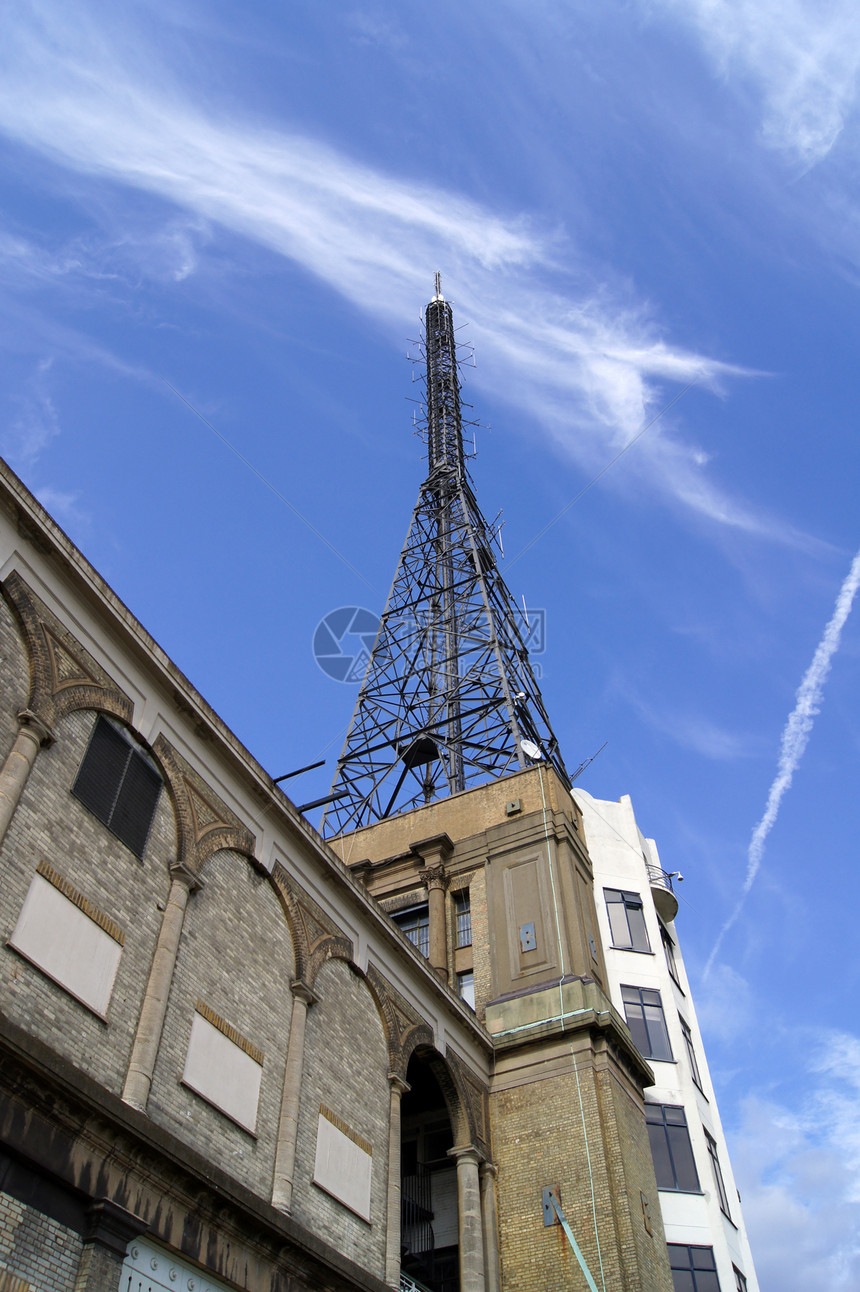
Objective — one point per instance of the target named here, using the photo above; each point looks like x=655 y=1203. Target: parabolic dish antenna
x=531 y=750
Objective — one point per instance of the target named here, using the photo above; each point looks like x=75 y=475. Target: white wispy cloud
x=25 y=437
x=797 y=1170
x=802 y=57
x=592 y=364
x=693 y=731
x=795 y=738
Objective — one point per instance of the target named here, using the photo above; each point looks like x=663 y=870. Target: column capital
x=398 y=1084
x=488 y=1169
x=302 y=992
x=468 y=1154
x=39 y=728
x=111 y=1226
x=434 y=876
x=186 y=877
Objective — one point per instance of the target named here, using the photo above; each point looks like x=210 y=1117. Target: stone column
x=110 y=1229
x=437 y=881
x=392 y=1233
x=490 y=1220
x=33 y=735
x=469 y=1213
x=288 y=1125
x=147 y=1039
x=434 y=852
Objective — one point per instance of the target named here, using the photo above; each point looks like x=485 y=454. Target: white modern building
x=636 y=909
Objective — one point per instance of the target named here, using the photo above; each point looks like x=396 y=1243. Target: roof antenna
x=438 y=286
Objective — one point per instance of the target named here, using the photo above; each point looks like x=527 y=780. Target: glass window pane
x=662 y=1160
x=618 y=924
x=638 y=932
x=658 y=1035
x=686 y=1175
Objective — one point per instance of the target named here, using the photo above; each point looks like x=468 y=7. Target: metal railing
x=408 y=1284
x=658 y=878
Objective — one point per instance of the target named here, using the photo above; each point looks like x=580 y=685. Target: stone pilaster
x=288 y=1125
x=471 y=1229
x=110 y=1229
x=489 y=1217
x=392 y=1233
x=147 y=1038
x=33 y=735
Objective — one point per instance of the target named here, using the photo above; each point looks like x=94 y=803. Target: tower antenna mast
x=449 y=699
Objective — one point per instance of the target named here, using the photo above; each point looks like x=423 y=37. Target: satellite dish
x=531 y=750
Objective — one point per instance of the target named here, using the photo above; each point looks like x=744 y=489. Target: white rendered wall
x=618 y=853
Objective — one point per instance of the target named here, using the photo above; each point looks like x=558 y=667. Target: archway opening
x=429 y=1229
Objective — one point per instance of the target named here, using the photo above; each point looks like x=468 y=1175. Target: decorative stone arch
x=404 y=1028
x=204 y=823
x=316 y=938
x=64 y=676
x=454 y=1093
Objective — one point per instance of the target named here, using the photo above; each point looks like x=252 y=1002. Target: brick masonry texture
x=37 y=1249
x=51 y=825
x=14 y=678
x=236 y=955
x=346 y=1068
x=537 y=1258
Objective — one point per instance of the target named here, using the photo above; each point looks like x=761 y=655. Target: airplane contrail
x=795 y=738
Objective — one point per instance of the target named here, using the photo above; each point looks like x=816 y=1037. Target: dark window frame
x=415 y=920
x=672 y=1149
x=713 y=1154
x=620 y=900
x=697 y=1262
x=687 y=1033
x=669 y=952
x=466 y=979
x=463 y=917
x=646 y=1019
x=740 y=1279
x=119 y=783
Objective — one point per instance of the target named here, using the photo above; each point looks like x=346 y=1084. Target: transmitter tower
x=450 y=699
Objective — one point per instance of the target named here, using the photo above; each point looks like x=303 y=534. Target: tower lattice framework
x=449 y=699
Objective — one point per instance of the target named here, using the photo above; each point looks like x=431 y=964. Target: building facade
x=236 y=1055
x=636 y=908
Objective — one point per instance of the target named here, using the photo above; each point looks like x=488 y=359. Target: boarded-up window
x=343 y=1164
x=224 y=1068
x=69 y=940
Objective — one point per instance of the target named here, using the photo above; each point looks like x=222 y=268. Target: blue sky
x=246 y=204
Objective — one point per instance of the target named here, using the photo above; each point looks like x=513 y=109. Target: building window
x=674 y=1164
x=671 y=962
x=463 y=909
x=415 y=923
x=644 y=1011
x=693 y=1268
x=740 y=1280
x=626 y=920
x=466 y=987
x=718 y=1175
x=119 y=784
x=691 y=1053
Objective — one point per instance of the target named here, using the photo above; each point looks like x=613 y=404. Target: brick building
x=235 y=1055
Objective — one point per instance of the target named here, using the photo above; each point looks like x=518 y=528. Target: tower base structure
x=496 y=885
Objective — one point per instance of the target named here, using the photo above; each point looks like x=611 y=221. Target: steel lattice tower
x=449 y=699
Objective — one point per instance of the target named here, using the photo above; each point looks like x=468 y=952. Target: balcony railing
x=662 y=891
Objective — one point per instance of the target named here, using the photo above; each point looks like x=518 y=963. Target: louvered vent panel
x=119 y=785
x=102 y=770
x=135 y=804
